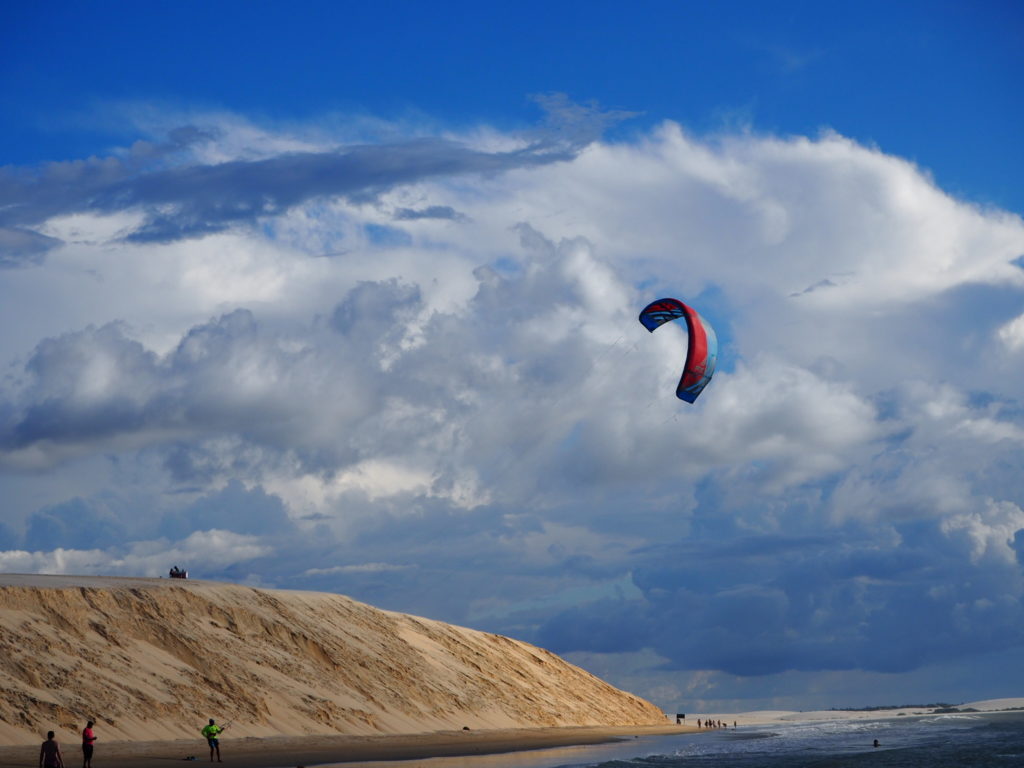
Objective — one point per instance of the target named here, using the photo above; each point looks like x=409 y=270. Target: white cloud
x=358 y=568
x=205 y=550
x=1012 y=333
x=988 y=532
x=444 y=373
x=780 y=413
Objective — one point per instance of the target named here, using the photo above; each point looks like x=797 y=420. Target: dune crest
x=152 y=659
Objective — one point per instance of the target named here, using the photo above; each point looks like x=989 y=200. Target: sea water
x=989 y=740
x=983 y=740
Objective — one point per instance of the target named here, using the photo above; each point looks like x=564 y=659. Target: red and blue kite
x=703 y=347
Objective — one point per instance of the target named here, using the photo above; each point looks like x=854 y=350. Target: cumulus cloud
x=989 y=532
x=1012 y=333
x=424 y=364
x=215 y=548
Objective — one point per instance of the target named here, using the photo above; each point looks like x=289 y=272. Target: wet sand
x=285 y=751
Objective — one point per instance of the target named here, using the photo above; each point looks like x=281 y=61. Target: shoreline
x=314 y=750
x=445 y=749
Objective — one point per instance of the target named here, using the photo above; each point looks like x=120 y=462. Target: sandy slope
x=152 y=659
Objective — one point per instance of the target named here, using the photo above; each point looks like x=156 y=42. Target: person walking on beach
x=49 y=753
x=211 y=732
x=87 y=739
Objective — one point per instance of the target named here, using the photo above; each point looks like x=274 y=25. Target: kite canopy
x=702 y=350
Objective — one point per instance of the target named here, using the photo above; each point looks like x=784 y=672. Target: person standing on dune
x=49 y=753
x=211 y=732
x=88 y=737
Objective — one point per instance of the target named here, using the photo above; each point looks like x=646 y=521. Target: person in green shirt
x=211 y=732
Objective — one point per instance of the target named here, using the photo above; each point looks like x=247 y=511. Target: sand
x=308 y=679
x=153 y=659
x=283 y=751
x=342 y=751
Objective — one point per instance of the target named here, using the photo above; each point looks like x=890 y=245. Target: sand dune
x=152 y=659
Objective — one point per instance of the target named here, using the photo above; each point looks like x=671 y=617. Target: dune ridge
x=152 y=659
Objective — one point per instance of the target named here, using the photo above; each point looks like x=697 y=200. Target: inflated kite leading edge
x=702 y=351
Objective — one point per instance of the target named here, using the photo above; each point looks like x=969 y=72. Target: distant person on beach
x=88 y=737
x=211 y=732
x=49 y=753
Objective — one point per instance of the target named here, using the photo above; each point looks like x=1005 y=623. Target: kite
x=703 y=344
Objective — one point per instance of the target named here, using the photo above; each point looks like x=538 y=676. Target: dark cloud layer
x=195 y=200
x=234 y=508
x=430 y=212
x=75 y=524
x=843 y=602
x=23 y=247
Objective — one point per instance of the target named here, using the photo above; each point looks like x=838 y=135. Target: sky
x=344 y=297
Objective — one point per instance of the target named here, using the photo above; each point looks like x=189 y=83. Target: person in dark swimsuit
x=49 y=753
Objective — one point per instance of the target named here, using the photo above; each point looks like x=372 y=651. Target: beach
x=283 y=751
x=524 y=747
x=488 y=748
x=303 y=679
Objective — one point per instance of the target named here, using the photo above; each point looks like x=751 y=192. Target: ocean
x=987 y=740
x=984 y=740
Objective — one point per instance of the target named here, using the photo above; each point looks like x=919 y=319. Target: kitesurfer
x=212 y=732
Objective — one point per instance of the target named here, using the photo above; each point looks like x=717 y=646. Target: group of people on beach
x=709 y=723
x=50 y=755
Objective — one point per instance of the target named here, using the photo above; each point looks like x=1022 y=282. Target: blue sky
x=344 y=297
x=934 y=82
